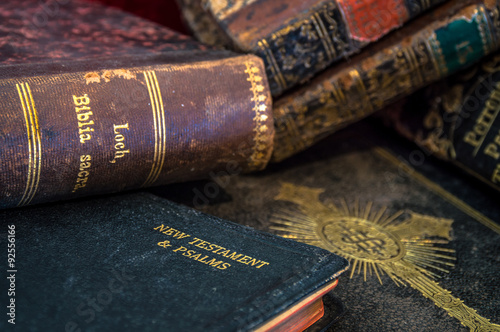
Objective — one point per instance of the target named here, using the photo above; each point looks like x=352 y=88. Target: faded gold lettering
x=496 y=175
x=483 y=124
x=84 y=117
x=83 y=174
x=80 y=101
x=120 y=151
x=492 y=149
x=83 y=108
x=471 y=139
x=84 y=125
x=463 y=50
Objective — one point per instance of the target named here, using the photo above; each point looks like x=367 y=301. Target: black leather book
x=141 y=263
x=422 y=238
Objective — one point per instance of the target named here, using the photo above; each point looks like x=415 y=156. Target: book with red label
x=451 y=38
x=298 y=38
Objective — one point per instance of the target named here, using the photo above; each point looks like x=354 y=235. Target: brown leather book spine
x=298 y=38
x=446 y=40
x=85 y=132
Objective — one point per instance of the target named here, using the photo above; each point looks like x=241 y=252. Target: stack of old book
x=95 y=100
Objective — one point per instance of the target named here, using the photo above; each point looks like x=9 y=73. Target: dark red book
x=96 y=100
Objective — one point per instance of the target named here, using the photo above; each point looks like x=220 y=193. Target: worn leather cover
x=457 y=120
x=95 y=100
x=298 y=38
x=423 y=239
x=138 y=262
x=36 y=31
x=445 y=40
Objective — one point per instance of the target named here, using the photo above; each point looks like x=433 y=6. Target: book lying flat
x=141 y=263
x=423 y=241
x=96 y=100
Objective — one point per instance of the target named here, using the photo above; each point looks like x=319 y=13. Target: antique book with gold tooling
x=423 y=243
x=457 y=120
x=137 y=262
x=452 y=37
x=298 y=38
x=94 y=100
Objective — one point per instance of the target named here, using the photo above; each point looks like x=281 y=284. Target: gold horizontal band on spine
x=34 y=143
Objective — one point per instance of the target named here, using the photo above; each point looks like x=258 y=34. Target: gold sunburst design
x=406 y=246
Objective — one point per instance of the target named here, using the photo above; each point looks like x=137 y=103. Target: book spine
x=441 y=45
x=203 y=26
x=333 y=31
x=308 y=41
x=81 y=133
x=457 y=120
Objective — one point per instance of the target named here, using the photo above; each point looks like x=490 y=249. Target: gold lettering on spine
x=259 y=158
x=277 y=75
x=484 y=122
x=34 y=143
x=159 y=127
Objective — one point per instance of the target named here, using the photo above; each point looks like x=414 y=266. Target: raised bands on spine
x=160 y=127
x=274 y=67
x=34 y=143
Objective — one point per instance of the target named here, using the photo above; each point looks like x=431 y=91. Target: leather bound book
x=141 y=263
x=457 y=120
x=299 y=38
x=450 y=38
x=422 y=240
x=94 y=100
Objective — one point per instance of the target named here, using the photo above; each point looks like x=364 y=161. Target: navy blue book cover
x=138 y=262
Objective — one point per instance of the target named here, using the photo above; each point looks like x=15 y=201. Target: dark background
x=164 y=12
